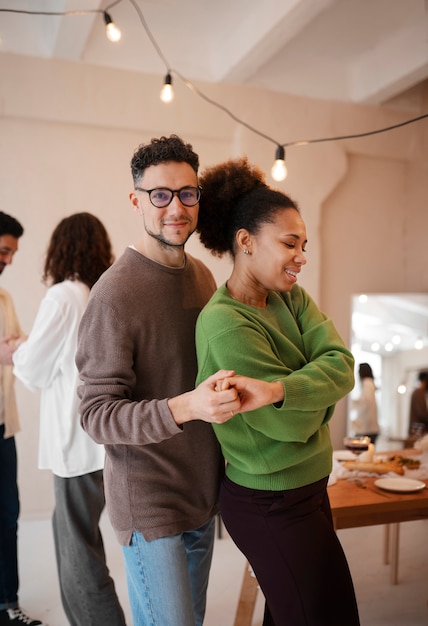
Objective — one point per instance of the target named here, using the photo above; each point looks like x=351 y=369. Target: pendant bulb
x=279 y=170
x=112 y=31
x=167 y=91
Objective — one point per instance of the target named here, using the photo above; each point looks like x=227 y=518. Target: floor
x=380 y=603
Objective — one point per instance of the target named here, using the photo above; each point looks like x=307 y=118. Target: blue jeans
x=168 y=577
x=9 y=511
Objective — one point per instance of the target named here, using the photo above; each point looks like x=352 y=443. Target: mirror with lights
x=390 y=332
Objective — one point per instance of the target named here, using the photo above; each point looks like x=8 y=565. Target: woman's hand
x=206 y=403
x=253 y=393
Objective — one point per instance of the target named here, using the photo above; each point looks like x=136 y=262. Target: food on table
x=375 y=467
x=405 y=461
x=395 y=463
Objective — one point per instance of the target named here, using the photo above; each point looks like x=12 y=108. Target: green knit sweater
x=291 y=340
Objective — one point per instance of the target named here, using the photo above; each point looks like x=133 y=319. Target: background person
x=364 y=422
x=78 y=253
x=137 y=361
x=262 y=324
x=418 y=418
x=10 y=612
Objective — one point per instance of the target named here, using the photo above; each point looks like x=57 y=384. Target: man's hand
x=7 y=348
x=205 y=403
x=253 y=393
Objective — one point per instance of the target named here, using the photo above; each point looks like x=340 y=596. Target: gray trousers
x=87 y=590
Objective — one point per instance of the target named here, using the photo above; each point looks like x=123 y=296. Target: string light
x=167 y=91
x=280 y=147
x=112 y=31
x=279 y=170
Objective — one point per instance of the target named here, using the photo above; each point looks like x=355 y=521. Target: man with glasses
x=137 y=361
x=10 y=612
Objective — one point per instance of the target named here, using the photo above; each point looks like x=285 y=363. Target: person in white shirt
x=78 y=253
x=365 y=421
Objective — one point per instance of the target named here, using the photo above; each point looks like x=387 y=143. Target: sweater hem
x=288 y=478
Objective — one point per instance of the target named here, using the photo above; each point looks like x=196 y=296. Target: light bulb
x=279 y=170
x=167 y=92
x=112 y=31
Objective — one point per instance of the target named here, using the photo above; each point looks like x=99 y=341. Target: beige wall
x=67 y=134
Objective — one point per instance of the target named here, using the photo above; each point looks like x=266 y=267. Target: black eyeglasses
x=161 y=197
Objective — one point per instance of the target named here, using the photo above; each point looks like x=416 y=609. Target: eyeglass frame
x=174 y=192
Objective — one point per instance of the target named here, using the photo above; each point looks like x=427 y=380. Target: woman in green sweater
x=263 y=325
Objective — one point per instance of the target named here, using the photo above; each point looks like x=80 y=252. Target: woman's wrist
x=278 y=392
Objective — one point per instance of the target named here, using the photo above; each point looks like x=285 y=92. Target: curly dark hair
x=79 y=249
x=365 y=371
x=235 y=195
x=423 y=377
x=10 y=226
x=162 y=150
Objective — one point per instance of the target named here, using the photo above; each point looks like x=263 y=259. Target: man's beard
x=166 y=243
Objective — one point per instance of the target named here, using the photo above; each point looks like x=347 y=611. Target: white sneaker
x=17 y=616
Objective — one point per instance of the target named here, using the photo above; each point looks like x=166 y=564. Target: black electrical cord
x=357 y=135
x=199 y=93
x=81 y=12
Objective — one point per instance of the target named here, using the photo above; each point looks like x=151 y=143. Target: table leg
x=386 y=544
x=247 y=599
x=395 y=538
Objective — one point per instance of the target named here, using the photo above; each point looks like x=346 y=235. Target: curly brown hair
x=162 y=150
x=234 y=196
x=79 y=249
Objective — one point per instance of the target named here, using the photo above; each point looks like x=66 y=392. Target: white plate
x=344 y=455
x=399 y=484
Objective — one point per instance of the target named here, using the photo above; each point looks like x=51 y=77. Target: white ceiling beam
x=73 y=31
x=395 y=65
x=261 y=34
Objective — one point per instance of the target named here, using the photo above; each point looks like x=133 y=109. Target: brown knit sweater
x=136 y=349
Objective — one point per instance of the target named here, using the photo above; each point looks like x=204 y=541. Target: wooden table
x=355 y=504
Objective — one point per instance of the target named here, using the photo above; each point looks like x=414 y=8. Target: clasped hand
x=252 y=392
x=7 y=348
x=225 y=394
x=222 y=395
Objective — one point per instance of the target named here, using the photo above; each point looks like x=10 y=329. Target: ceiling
x=395 y=319
x=363 y=51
